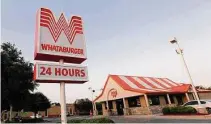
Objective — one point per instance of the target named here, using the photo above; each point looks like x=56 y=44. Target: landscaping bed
x=27 y=120
x=179 y=110
x=96 y=120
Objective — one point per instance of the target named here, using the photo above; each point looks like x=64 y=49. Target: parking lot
x=145 y=119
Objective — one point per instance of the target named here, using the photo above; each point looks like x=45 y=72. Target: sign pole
x=63 y=99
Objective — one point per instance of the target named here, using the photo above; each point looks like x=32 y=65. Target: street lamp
x=92 y=99
x=180 y=51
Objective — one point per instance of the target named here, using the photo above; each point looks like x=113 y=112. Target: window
x=203 y=102
x=154 y=100
x=134 y=102
x=191 y=103
x=172 y=99
x=110 y=105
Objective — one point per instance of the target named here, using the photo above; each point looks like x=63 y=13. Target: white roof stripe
x=142 y=83
x=147 y=89
x=154 y=83
x=169 y=81
x=131 y=84
x=160 y=81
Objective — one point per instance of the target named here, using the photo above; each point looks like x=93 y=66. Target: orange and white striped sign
x=58 y=38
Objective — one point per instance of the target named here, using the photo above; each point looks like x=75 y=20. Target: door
x=120 y=106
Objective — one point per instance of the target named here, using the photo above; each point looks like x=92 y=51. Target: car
x=37 y=116
x=204 y=103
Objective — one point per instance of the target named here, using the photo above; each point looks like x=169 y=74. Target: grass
x=96 y=120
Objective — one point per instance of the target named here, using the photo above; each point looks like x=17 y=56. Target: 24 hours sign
x=55 y=73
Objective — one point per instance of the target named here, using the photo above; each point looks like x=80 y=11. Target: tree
x=202 y=87
x=38 y=102
x=16 y=78
x=83 y=105
x=55 y=103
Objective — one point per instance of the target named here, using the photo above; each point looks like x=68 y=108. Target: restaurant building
x=131 y=95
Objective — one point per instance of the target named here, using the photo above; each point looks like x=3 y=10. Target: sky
x=125 y=37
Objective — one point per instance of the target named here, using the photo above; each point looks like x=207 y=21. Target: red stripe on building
x=166 y=82
x=135 y=82
x=122 y=83
x=157 y=82
x=147 y=82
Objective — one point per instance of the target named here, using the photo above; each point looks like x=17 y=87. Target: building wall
x=104 y=110
x=206 y=95
x=121 y=93
x=184 y=98
x=162 y=100
x=157 y=109
x=54 y=111
x=139 y=111
x=143 y=101
x=114 y=110
x=191 y=96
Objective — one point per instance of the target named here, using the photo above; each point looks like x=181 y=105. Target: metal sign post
x=59 y=41
x=63 y=100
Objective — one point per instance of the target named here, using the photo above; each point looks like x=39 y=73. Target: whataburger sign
x=59 y=39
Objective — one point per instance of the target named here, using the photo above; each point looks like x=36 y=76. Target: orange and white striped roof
x=145 y=84
x=148 y=84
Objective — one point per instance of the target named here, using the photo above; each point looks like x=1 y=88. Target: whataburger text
x=61 y=49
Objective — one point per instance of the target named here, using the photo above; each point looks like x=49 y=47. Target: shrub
x=75 y=121
x=96 y=120
x=166 y=110
x=179 y=110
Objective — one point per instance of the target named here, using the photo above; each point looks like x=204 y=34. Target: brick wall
x=105 y=112
x=206 y=95
x=157 y=109
x=162 y=100
x=54 y=111
x=139 y=111
x=142 y=101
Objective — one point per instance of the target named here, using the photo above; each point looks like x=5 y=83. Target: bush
x=75 y=121
x=179 y=110
x=97 y=120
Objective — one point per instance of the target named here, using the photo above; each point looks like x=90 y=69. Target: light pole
x=180 y=51
x=93 y=108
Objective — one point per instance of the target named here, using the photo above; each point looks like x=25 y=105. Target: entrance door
x=120 y=106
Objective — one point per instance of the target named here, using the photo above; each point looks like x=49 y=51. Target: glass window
x=192 y=103
x=203 y=102
x=172 y=99
x=134 y=102
x=110 y=105
x=154 y=100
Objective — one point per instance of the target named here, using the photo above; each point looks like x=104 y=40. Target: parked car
x=37 y=116
x=204 y=103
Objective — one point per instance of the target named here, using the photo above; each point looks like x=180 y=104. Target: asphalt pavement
x=122 y=119
x=140 y=119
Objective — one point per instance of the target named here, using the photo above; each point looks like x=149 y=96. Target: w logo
x=56 y=27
